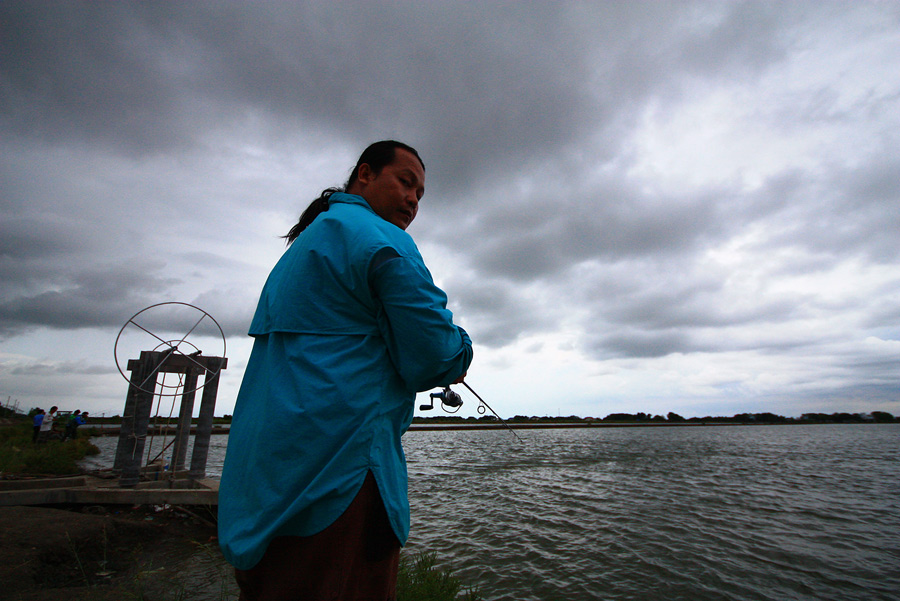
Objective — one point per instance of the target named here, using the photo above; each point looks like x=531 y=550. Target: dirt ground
x=111 y=553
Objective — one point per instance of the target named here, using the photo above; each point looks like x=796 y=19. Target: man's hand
x=460 y=379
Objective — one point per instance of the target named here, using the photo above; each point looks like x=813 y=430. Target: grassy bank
x=18 y=455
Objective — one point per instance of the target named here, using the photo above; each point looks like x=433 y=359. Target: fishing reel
x=452 y=400
x=447 y=397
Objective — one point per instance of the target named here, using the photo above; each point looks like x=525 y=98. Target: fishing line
x=481 y=400
x=451 y=399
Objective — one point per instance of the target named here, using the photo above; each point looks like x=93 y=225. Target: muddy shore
x=111 y=553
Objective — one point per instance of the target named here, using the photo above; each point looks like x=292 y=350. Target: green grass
x=18 y=455
x=420 y=580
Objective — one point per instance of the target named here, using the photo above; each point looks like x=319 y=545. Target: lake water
x=681 y=513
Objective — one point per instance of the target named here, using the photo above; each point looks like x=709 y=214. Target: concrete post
x=205 y=418
x=133 y=433
x=183 y=432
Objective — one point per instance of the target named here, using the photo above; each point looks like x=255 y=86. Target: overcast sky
x=633 y=206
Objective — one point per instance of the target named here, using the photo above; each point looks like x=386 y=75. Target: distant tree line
x=880 y=417
x=761 y=418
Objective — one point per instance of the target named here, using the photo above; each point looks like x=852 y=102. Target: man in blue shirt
x=350 y=325
x=76 y=420
x=38 y=420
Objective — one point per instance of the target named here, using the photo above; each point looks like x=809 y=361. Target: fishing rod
x=451 y=399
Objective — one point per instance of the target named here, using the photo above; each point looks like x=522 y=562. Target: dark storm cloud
x=860 y=209
x=91 y=297
x=154 y=151
x=153 y=76
x=739 y=36
x=536 y=237
x=84 y=71
x=501 y=311
x=661 y=294
x=32 y=237
x=144 y=79
x=839 y=214
x=231 y=307
x=637 y=344
x=43 y=369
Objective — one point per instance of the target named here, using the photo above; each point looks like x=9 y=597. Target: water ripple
x=757 y=513
x=642 y=514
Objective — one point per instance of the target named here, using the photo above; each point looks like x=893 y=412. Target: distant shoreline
x=111 y=430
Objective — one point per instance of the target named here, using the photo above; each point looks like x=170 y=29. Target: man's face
x=394 y=193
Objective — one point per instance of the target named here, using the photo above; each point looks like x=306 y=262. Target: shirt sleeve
x=426 y=348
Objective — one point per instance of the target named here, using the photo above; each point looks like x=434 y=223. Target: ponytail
x=316 y=207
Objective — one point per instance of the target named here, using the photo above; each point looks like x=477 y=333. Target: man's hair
x=377 y=156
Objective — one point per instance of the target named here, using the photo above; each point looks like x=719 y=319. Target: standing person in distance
x=313 y=498
x=37 y=420
x=46 y=430
x=78 y=418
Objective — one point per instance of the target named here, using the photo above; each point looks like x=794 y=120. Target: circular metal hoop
x=161 y=383
x=181 y=347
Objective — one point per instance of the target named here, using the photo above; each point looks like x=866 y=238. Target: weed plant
x=18 y=455
x=420 y=580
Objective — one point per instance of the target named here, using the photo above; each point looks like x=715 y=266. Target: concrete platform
x=90 y=490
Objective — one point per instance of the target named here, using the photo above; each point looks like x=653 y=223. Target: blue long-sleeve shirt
x=349 y=326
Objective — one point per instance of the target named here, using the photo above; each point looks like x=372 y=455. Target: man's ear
x=365 y=174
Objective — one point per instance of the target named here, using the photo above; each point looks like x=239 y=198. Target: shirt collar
x=353 y=199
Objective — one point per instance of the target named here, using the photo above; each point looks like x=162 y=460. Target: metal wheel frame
x=173 y=347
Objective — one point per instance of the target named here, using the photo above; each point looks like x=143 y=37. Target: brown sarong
x=354 y=559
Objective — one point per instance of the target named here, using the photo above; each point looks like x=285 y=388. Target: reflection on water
x=153 y=445
x=198 y=573
x=692 y=513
